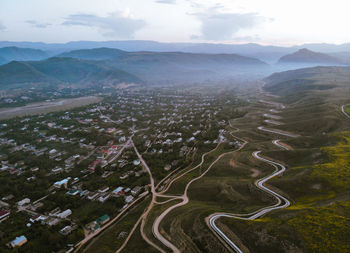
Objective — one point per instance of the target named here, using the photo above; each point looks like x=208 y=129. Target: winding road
x=281 y=145
x=343 y=110
x=282 y=202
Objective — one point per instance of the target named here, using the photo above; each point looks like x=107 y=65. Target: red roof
x=3 y=212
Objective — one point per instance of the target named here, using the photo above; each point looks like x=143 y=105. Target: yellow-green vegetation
x=324 y=229
x=315 y=223
x=337 y=169
x=347 y=109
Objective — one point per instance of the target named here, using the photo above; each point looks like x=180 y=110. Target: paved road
x=282 y=202
x=271 y=116
x=281 y=145
x=276 y=131
x=273 y=122
x=343 y=110
x=184 y=197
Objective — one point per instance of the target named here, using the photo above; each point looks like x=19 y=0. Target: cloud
x=117 y=24
x=223 y=26
x=37 y=24
x=2 y=27
x=166 y=1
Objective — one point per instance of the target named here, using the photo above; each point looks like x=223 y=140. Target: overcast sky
x=279 y=22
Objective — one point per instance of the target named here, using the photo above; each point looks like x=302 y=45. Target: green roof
x=103 y=218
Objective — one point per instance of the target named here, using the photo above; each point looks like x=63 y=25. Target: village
x=69 y=173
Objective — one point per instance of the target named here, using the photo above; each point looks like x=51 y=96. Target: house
x=104 y=197
x=93 y=196
x=63 y=182
x=72 y=192
x=136 y=162
x=118 y=190
x=23 y=202
x=64 y=214
x=19 y=241
x=36 y=218
x=103 y=219
x=52 y=151
x=129 y=199
x=191 y=139
x=167 y=167
x=124 y=176
x=4 y=214
x=66 y=230
x=127 y=190
x=93 y=226
x=103 y=189
x=52 y=221
x=136 y=190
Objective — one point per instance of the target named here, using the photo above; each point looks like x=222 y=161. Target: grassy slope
x=347 y=109
x=317 y=180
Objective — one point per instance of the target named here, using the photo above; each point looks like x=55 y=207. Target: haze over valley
x=174 y=126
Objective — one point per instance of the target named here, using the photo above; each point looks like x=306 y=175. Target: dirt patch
x=255 y=172
x=232 y=163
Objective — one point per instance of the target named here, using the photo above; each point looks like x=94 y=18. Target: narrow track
x=282 y=202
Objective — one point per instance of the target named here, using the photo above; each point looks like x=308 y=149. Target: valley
x=103 y=159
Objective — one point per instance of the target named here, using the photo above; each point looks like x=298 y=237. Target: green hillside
x=62 y=70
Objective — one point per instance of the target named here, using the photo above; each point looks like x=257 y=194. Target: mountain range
x=266 y=53
x=110 y=67
x=102 y=66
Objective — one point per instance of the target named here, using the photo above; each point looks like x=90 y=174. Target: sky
x=276 y=22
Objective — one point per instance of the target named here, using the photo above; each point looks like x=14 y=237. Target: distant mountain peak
x=307 y=56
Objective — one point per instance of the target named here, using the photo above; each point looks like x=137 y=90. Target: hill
x=56 y=71
x=147 y=56
x=172 y=66
x=95 y=54
x=299 y=83
x=305 y=56
x=8 y=54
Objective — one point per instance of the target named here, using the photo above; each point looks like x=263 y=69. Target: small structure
x=4 y=214
x=67 y=230
x=118 y=190
x=93 y=196
x=136 y=162
x=167 y=167
x=23 y=202
x=103 y=197
x=63 y=182
x=64 y=214
x=52 y=221
x=103 y=219
x=103 y=189
x=129 y=199
x=136 y=190
x=19 y=241
x=72 y=192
